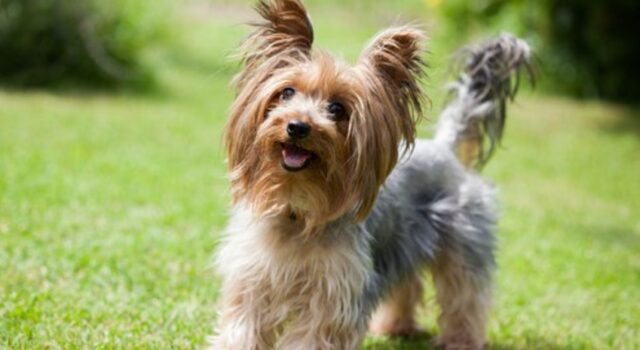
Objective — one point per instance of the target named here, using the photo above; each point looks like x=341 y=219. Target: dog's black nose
x=298 y=130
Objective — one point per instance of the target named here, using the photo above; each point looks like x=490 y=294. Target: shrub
x=45 y=42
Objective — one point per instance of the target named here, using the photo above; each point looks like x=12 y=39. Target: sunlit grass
x=111 y=206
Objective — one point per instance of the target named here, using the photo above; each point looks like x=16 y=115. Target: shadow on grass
x=627 y=121
x=534 y=345
x=613 y=235
x=425 y=342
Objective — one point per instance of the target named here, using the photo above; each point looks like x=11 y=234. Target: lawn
x=111 y=204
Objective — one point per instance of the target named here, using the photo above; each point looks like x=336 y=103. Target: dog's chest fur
x=287 y=276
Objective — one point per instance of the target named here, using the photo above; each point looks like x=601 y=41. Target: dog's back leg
x=464 y=297
x=462 y=270
x=395 y=316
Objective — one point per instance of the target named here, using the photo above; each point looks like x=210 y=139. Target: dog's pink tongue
x=295 y=157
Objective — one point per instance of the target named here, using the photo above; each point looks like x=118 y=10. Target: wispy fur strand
x=490 y=77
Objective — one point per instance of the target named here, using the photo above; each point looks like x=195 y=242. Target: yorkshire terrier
x=337 y=209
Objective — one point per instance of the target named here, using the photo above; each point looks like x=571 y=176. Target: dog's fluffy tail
x=472 y=123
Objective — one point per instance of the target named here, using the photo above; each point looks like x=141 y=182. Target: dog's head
x=310 y=135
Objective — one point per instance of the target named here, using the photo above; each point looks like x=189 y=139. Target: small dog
x=337 y=209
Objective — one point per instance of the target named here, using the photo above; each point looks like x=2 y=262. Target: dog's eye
x=337 y=111
x=287 y=94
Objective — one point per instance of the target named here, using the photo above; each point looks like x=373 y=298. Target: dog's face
x=311 y=136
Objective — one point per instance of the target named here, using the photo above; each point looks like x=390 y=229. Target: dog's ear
x=395 y=58
x=390 y=71
x=283 y=37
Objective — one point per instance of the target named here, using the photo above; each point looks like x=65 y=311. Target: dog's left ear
x=395 y=58
x=391 y=69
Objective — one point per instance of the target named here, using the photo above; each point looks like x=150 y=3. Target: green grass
x=111 y=206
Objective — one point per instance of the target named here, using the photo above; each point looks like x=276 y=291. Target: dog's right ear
x=283 y=37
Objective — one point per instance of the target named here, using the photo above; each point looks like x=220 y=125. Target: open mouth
x=295 y=158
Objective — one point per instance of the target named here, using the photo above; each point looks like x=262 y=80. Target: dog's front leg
x=242 y=326
x=346 y=338
x=325 y=329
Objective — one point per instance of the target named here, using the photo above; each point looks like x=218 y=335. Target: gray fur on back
x=429 y=203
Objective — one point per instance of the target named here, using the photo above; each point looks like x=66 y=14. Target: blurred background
x=587 y=47
x=113 y=187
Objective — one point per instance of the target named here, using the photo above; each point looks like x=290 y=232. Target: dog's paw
x=458 y=342
x=396 y=329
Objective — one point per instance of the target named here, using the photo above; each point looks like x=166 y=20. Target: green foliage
x=586 y=48
x=599 y=38
x=45 y=42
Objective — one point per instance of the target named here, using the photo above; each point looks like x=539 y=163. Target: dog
x=338 y=209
